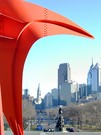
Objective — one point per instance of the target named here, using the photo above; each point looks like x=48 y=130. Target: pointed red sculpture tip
x=91 y=36
x=68 y=26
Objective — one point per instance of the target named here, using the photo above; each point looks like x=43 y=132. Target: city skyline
x=45 y=56
x=49 y=91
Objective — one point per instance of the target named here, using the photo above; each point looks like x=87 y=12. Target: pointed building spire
x=38 y=91
x=38 y=100
x=92 y=65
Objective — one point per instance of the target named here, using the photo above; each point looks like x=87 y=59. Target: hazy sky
x=47 y=53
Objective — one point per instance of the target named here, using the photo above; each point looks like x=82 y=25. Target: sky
x=47 y=53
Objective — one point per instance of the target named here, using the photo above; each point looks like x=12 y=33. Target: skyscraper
x=94 y=77
x=65 y=94
x=89 y=76
x=64 y=74
x=48 y=100
x=26 y=94
x=54 y=93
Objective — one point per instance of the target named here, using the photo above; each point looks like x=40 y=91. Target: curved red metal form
x=21 y=24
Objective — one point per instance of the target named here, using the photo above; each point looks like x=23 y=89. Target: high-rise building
x=74 y=91
x=89 y=80
x=64 y=74
x=26 y=94
x=89 y=76
x=65 y=93
x=48 y=102
x=82 y=90
x=69 y=92
x=94 y=78
x=54 y=93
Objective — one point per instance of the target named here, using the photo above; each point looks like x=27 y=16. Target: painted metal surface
x=21 y=24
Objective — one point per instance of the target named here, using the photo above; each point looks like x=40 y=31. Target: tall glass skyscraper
x=89 y=76
x=94 y=77
x=64 y=74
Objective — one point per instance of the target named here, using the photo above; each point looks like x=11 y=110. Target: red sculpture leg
x=7 y=48
x=1 y=116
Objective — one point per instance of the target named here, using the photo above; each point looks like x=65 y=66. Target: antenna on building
x=92 y=61
x=38 y=85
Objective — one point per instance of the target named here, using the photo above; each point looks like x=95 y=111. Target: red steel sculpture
x=21 y=24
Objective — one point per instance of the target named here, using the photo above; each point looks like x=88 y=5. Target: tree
x=28 y=112
x=73 y=114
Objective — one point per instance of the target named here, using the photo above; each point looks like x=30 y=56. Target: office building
x=65 y=93
x=74 y=91
x=94 y=78
x=89 y=76
x=64 y=74
x=82 y=90
x=26 y=94
x=69 y=92
x=54 y=93
x=89 y=80
x=48 y=103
